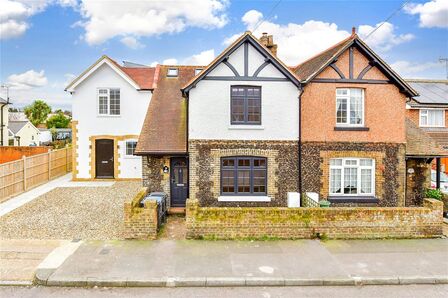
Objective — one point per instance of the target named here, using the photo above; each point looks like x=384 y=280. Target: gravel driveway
x=71 y=213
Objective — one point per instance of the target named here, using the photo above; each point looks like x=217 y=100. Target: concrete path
x=252 y=263
x=63 y=181
x=19 y=259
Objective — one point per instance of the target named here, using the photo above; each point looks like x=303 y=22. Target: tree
x=59 y=120
x=37 y=112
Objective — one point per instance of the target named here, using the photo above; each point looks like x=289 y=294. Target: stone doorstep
x=239 y=281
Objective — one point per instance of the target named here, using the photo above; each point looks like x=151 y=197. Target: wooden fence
x=21 y=175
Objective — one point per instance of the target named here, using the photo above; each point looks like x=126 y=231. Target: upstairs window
x=109 y=101
x=352 y=177
x=245 y=105
x=172 y=72
x=243 y=175
x=432 y=118
x=350 y=107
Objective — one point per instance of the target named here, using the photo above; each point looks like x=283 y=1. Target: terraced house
x=247 y=130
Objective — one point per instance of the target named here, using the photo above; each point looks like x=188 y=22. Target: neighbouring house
x=23 y=133
x=109 y=103
x=247 y=129
x=4 y=119
x=429 y=112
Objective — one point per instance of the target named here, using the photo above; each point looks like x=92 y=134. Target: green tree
x=59 y=120
x=37 y=112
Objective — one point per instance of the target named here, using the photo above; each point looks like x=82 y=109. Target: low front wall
x=332 y=223
x=140 y=222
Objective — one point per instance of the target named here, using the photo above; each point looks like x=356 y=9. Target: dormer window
x=172 y=72
x=197 y=71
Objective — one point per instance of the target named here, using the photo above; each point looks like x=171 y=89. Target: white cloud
x=203 y=58
x=432 y=14
x=432 y=70
x=28 y=80
x=132 y=42
x=14 y=14
x=384 y=38
x=297 y=42
x=105 y=20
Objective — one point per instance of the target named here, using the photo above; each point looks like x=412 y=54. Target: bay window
x=432 y=118
x=349 y=107
x=352 y=177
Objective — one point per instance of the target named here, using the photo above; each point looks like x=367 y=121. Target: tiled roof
x=15 y=126
x=143 y=76
x=420 y=143
x=308 y=68
x=431 y=92
x=2 y=100
x=165 y=127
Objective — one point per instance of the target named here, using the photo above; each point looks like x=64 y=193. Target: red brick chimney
x=268 y=41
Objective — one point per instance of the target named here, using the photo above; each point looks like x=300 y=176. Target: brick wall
x=205 y=156
x=334 y=223
x=140 y=222
x=390 y=167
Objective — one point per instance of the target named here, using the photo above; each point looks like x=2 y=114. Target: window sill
x=353 y=199
x=108 y=116
x=244 y=199
x=351 y=128
x=246 y=127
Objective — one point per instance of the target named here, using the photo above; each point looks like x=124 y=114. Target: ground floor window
x=130 y=147
x=243 y=175
x=352 y=176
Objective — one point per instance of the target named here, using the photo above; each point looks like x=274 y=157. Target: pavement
x=192 y=263
x=19 y=259
x=63 y=181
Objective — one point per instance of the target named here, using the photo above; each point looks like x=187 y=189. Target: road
x=427 y=291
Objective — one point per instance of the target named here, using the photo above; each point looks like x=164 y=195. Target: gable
x=351 y=61
x=245 y=60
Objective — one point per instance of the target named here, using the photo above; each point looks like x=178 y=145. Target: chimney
x=353 y=31
x=268 y=41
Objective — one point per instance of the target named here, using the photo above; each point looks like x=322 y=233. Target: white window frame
x=108 y=102
x=197 y=71
x=347 y=97
x=175 y=69
x=421 y=111
x=358 y=181
x=126 y=148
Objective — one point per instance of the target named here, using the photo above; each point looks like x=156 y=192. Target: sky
x=44 y=44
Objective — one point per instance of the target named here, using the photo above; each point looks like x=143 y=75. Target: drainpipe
x=1 y=121
x=300 y=140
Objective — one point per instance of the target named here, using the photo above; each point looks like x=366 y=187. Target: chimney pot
x=353 y=30
x=265 y=33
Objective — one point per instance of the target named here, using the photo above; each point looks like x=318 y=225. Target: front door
x=179 y=181
x=104 y=163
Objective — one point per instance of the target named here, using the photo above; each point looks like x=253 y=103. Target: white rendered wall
x=130 y=166
x=209 y=104
x=134 y=105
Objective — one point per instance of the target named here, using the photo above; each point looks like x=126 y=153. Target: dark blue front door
x=179 y=181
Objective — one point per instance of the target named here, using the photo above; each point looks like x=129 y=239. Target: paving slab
x=254 y=263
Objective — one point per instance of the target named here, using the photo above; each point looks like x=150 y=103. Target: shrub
x=433 y=193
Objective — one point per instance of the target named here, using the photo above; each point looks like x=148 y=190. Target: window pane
x=237 y=110
x=350 y=181
x=102 y=104
x=356 y=110
x=259 y=181
x=260 y=162
x=243 y=162
x=341 y=91
x=243 y=181
x=366 y=181
x=228 y=181
x=335 y=181
x=366 y=162
x=172 y=72
x=130 y=147
x=341 y=110
x=254 y=110
x=228 y=162
x=434 y=118
x=114 y=101
x=336 y=162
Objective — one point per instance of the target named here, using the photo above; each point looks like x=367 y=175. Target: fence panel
x=21 y=175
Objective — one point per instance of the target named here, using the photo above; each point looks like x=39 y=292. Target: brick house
x=246 y=130
x=429 y=114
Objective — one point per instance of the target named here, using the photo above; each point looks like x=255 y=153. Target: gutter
x=300 y=140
